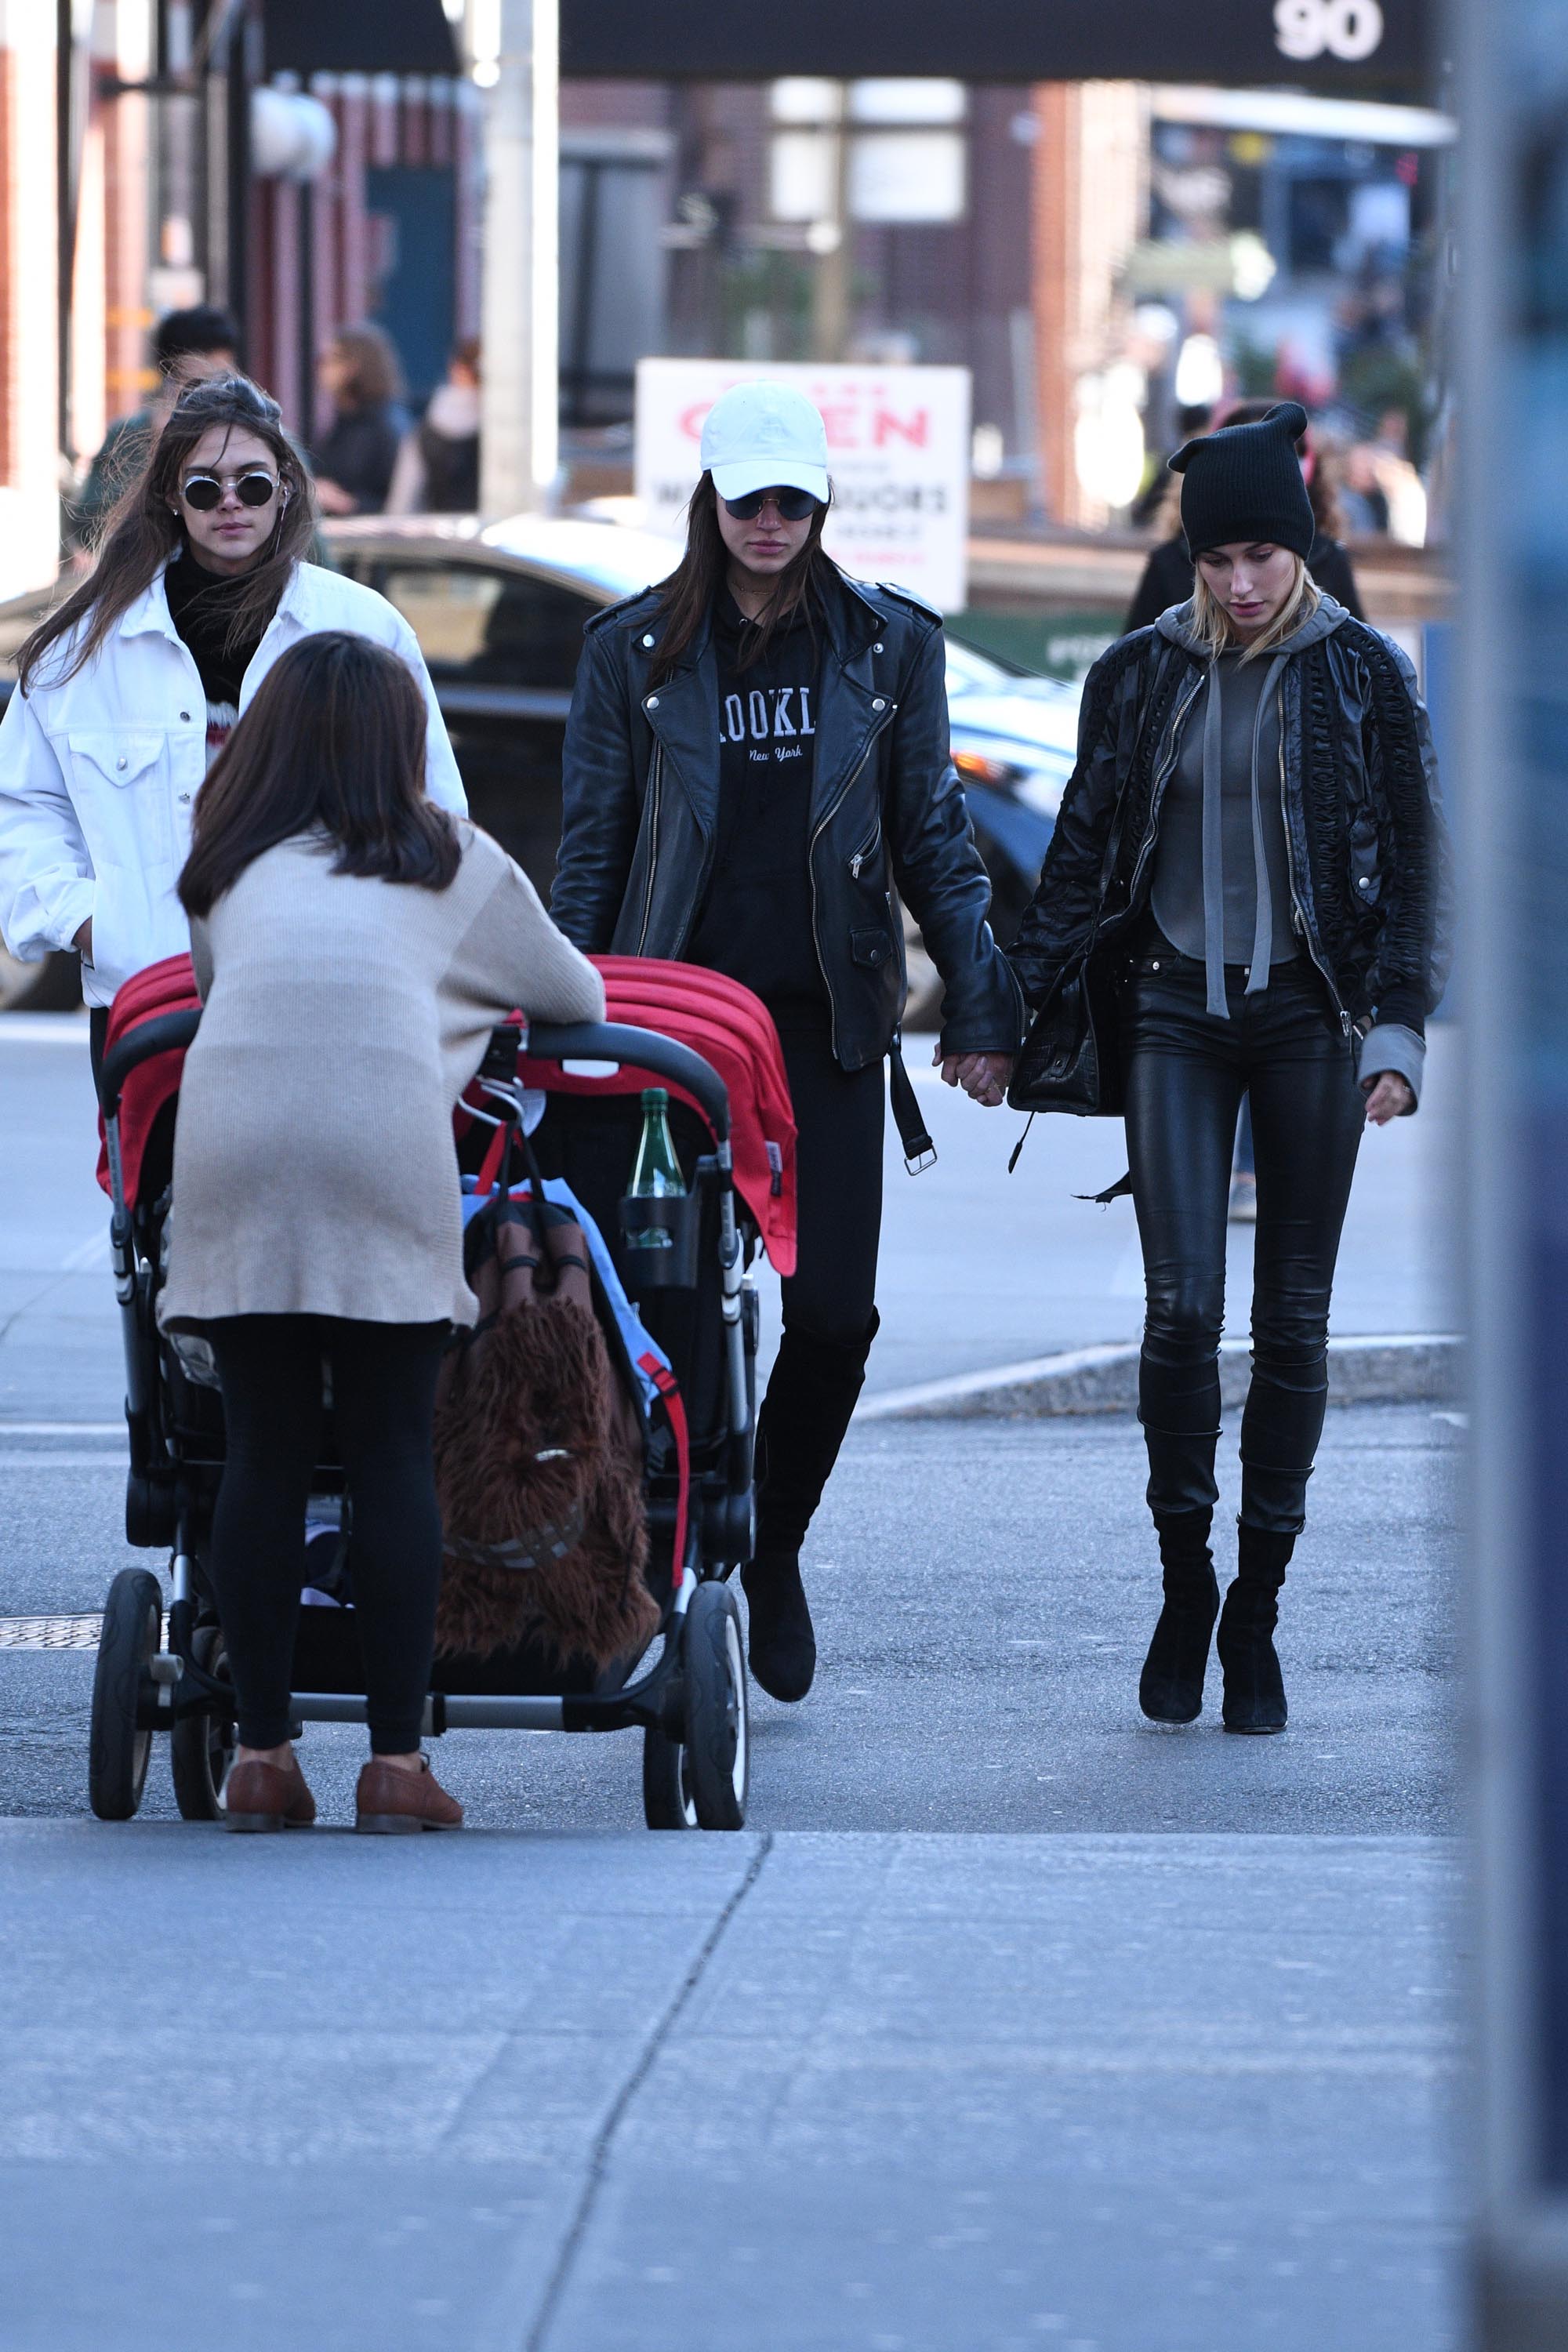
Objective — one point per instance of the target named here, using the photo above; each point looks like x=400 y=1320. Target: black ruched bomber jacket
x=1371 y=883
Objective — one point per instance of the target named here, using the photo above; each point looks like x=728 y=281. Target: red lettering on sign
x=885 y=426
x=692 y=419
x=841 y=419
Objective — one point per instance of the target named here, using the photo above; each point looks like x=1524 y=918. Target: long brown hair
x=145 y=530
x=334 y=743
x=375 y=375
x=687 y=596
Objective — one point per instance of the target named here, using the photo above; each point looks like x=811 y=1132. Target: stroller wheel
x=118 y=1751
x=667 y=1801
x=201 y=1746
x=717 y=1740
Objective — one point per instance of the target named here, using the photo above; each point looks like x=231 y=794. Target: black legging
x=1187 y=1074
x=829 y=1302
x=384 y=1403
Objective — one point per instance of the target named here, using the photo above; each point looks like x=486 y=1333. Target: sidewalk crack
x=604 y=2145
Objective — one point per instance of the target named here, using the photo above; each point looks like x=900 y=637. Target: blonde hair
x=1215 y=626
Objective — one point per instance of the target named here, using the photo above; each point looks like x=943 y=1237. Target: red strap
x=489 y=1166
x=668 y=1387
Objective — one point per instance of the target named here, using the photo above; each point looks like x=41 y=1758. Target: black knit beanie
x=1245 y=482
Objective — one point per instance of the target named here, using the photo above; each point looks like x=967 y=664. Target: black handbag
x=1071 y=1058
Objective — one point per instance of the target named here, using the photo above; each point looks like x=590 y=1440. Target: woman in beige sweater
x=354 y=946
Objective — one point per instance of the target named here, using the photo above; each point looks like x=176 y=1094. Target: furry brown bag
x=539 y=1456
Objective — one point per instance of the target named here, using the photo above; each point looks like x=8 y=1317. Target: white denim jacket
x=98 y=775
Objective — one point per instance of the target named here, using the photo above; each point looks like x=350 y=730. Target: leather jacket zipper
x=863 y=856
x=1160 y=779
x=1297 y=910
x=654 y=782
x=827 y=816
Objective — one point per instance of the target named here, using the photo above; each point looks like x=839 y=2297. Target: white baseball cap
x=764 y=436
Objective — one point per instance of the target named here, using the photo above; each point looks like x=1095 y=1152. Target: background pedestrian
x=341 y=923
x=757 y=759
x=354 y=459
x=437 y=469
x=188 y=347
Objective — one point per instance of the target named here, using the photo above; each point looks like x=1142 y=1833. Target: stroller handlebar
x=169 y=1032
x=586 y=1041
x=615 y=1041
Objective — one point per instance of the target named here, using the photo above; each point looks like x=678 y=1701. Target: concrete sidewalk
x=514 y=2093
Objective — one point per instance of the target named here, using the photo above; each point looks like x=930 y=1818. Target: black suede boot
x=1254 y=1686
x=1171 y=1689
x=781 y=1642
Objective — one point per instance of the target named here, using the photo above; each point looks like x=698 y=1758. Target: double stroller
x=693 y=1319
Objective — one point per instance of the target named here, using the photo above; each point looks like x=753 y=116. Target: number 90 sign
x=1349 y=29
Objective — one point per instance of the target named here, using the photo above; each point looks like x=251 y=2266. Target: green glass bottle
x=655 y=1175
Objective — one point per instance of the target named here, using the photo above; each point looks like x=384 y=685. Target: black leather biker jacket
x=640 y=789
x=1371 y=884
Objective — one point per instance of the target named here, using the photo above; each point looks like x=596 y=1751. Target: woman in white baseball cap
x=756 y=761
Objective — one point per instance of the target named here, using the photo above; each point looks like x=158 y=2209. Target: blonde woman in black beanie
x=1247 y=879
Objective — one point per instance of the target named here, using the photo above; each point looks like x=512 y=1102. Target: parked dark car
x=498 y=612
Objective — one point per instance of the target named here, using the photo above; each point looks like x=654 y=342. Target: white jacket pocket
x=120 y=787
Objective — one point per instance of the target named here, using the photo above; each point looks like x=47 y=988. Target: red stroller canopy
x=718 y=1018
x=732 y=1030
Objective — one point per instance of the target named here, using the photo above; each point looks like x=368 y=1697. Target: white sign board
x=898 y=455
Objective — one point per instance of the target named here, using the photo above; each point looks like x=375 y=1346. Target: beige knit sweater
x=313 y=1163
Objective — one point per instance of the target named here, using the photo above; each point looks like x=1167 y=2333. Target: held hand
x=82 y=942
x=1388 y=1096
x=983 y=1077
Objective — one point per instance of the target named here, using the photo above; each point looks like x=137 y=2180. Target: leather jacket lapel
x=683 y=713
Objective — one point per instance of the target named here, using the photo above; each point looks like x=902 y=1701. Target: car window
x=490 y=626
x=969 y=672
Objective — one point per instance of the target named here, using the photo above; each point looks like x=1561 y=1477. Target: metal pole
x=1514 y=602
x=831 y=290
x=521 y=289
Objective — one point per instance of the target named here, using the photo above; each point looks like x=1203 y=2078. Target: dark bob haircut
x=333 y=744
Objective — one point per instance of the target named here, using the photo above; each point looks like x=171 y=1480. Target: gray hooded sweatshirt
x=1222 y=876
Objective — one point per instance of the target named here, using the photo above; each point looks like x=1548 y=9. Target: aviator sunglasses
x=204 y=491
x=793 y=505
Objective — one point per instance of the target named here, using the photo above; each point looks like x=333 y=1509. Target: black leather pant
x=1187 y=1073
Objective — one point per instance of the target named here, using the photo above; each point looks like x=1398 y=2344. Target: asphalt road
x=984 y=1593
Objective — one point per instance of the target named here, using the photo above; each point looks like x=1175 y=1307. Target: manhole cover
x=49 y=1632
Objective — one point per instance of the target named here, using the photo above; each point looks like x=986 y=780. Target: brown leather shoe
x=391 y=1802
x=268 y=1797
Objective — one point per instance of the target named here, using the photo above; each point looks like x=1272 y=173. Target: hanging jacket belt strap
x=920 y=1152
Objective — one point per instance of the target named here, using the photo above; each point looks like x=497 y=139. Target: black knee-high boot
x=1171 y=1689
x=812 y=1394
x=1254 y=1686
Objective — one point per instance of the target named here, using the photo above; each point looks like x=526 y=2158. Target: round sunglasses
x=793 y=505
x=204 y=491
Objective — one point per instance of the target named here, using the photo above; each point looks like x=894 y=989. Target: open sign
x=898 y=452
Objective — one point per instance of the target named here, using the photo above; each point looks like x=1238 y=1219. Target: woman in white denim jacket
x=128 y=691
